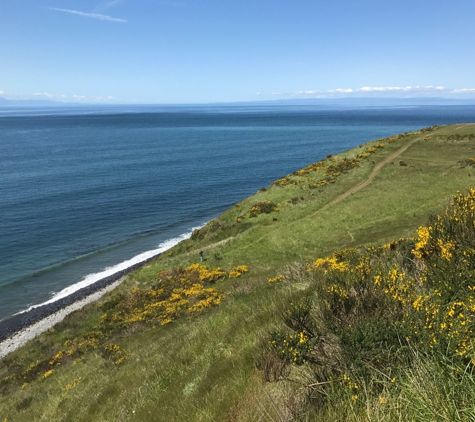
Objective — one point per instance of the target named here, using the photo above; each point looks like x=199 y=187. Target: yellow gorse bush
x=114 y=353
x=363 y=308
x=421 y=246
x=293 y=348
x=329 y=169
x=178 y=292
x=205 y=274
x=370 y=150
x=74 y=383
x=238 y=271
x=264 y=207
x=331 y=263
x=396 y=284
x=439 y=298
x=48 y=373
x=446 y=248
x=275 y=279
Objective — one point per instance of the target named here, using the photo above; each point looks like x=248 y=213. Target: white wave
x=92 y=278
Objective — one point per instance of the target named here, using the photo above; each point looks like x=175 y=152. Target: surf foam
x=94 y=277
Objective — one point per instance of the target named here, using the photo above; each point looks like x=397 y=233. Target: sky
x=205 y=51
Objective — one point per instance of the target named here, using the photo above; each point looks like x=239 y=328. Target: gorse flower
x=363 y=307
x=331 y=263
x=423 y=236
x=48 y=373
x=275 y=279
x=178 y=292
x=73 y=383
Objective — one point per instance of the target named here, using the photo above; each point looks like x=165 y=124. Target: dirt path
x=463 y=125
x=375 y=171
x=357 y=187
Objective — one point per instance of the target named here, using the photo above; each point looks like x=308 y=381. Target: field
x=184 y=340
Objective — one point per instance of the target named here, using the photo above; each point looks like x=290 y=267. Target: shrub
x=265 y=207
x=343 y=166
x=467 y=162
x=178 y=292
x=238 y=271
x=276 y=279
x=368 y=314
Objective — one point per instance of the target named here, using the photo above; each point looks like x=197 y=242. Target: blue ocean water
x=87 y=190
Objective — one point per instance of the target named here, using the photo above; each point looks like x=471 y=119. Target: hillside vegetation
x=343 y=291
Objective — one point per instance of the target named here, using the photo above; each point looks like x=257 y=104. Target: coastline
x=28 y=333
x=20 y=328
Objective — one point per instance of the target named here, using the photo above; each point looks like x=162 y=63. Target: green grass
x=203 y=368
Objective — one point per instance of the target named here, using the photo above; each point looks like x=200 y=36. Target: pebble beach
x=19 y=329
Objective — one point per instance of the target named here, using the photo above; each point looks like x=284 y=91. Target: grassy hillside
x=179 y=341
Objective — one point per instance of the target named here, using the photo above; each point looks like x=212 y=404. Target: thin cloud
x=384 y=88
x=383 y=91
x=90 y=15
x=400 y=88
x=55 y=97
x=45 y=95
x=459 y=91
x=1 y=92
x=63 y=97
x=341 y=90
x=50 y=96
x=101 y=99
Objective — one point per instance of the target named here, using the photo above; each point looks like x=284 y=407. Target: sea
x=86 y=191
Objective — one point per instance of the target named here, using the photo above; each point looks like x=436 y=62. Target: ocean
x=88 y=190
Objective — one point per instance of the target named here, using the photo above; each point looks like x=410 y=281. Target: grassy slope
x=203 y=369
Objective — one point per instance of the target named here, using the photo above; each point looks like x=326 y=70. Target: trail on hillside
x=375 y=171
x=463 y=125
x=360 y=185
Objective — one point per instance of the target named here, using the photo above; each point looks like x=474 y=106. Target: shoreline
x=28 y=333
x=19 y=329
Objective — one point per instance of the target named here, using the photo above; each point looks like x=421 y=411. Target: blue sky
x=199 y=51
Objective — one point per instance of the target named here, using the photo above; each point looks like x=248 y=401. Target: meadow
x=342 y=291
